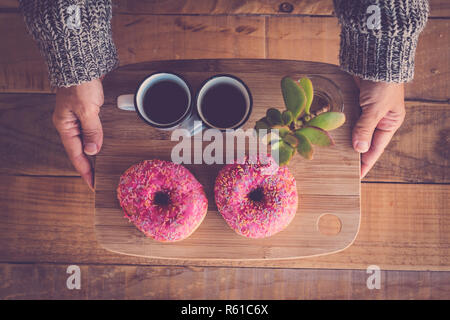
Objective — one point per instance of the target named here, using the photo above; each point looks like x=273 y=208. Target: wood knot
x=286 y=7
x=434 y=71
x=245 y=29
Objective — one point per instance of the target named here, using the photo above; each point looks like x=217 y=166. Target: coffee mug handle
x=126 y=102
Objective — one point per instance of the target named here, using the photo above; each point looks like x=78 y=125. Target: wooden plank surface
x=137 y=38
x=419 y=150
x=48 y=281
x=22 y=69
x=29 y=142
x=61 y=230
x=51 y=219
x=438 y=8
x=256 y=7
x=317 y=39
x=147 y=38
x=318 y=192
x=156 y=37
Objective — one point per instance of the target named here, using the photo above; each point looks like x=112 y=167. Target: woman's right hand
x=76 y=117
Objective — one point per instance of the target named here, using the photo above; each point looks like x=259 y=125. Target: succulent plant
x=298 y=127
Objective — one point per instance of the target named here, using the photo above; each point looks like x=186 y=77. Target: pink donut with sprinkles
x=256 y=198
x=162 y=199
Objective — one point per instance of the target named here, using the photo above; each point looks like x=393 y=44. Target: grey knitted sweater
x=378 y=37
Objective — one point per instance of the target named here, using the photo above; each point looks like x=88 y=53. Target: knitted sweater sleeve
x=74 y=37
x=379 y=37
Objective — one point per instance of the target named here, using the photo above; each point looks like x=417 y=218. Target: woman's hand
x=77 y=121
x=383 y=112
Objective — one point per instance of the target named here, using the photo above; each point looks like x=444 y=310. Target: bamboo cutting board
x=328 y=215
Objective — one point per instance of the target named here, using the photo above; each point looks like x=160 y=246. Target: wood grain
x=254 y=7
x=22 y=69
x=137 y=38
x=146 y=38
x=154 y=37
x=438 y=8
x=338 y=195
x=51 y=219
x=418 y=152
x=317 y=39
x=432 y=63
x=8 y=4
x=29 y=142
x=48 y=281
x=306 y=38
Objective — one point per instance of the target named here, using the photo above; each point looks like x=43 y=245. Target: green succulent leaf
x=262 y=124
x=294 y=96
x=291 y=140
x=285 y=152
x=274 y=116
x=287 y=117
x=328 y=120
x=317 y=136
x=282 y=130
x=304 y=148
x=307 y=86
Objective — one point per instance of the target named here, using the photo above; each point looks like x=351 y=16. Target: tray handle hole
x=329 y=224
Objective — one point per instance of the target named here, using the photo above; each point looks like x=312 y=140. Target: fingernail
x=89 y=179
x=91 y=187
x=361 y=146
x=90 y=149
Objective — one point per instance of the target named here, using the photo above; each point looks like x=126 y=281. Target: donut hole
x=256 y=195
x=161 y=198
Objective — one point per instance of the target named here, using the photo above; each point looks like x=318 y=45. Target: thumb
x=92 y=133
x=365 y=126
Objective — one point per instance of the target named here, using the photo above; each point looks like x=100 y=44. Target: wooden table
x=46 y=212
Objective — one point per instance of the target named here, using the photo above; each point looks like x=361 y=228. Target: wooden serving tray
x=328 y=215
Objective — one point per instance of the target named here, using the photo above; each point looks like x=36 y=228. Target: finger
x=70 y=137
x=365 y=126
x=91 y=132
x=380 y=140
x=79 y=160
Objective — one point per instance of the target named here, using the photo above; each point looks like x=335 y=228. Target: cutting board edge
x=104 y=246
x=221 y=60
x=327 y=68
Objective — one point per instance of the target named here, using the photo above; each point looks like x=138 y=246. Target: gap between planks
x=79 y=177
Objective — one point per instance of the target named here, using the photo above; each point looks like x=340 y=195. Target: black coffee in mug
x=224 y=102
x=223 y=106
x=165 y=102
